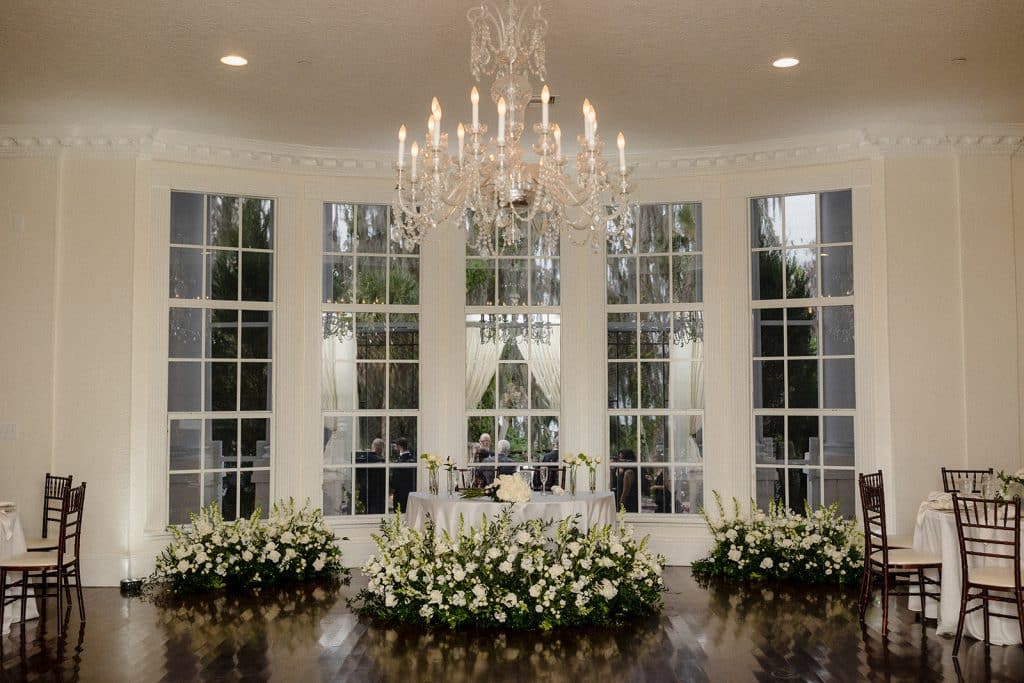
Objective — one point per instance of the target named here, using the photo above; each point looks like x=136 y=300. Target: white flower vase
x=572 y=481
x=593 y=480
x=432 y=481
x=450 y=476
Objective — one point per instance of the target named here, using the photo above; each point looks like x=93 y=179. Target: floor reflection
x=714 y=633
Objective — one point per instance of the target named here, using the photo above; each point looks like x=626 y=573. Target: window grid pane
x=220 y=340
x=370 y=362
x=513 y=347
x=803 y=349
x=655 y=362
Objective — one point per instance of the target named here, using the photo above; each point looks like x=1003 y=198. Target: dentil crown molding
x=181 y=146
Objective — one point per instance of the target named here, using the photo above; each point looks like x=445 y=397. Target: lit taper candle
x=401 y=146
x=545 y=97
x=462 y=137
x=415 y=151
x=622 y=152
x=502 y=107
x=474 y=97
x=435 y=108
x=558 y=142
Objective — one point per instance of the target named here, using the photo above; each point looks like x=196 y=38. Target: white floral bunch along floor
x=501 y=574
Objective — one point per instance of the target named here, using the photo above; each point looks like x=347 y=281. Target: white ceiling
x=670 y=73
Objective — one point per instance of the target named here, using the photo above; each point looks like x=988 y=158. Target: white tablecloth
x=9 y=547
x=936 y=533
x=594 y=509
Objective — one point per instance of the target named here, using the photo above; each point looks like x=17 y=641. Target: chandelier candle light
x=489 y=183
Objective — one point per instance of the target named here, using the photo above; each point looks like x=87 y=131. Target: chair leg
x=960 y=621
x=885 y=602
x=60 y=603
x=984 y=613
x=3 y=595
x=24 y=595
x=924 y=605
x=865 y=590
x=1020 y=614
x=78 y=590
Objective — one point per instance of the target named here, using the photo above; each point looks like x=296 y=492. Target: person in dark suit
x=624 y=481
x=482 y=454
x=403 y=479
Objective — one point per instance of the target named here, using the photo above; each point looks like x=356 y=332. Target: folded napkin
x=6 y=525
x=937 y=500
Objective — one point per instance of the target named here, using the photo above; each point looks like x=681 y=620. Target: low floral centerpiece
x=510 y=575
x=292 y=544
x=506 y=488
x=1011 y=485
x=819 y=546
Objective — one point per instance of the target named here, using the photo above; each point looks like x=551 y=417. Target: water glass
x=966 y=486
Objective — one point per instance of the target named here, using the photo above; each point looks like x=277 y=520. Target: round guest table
x=12 y=542
x=594 y=509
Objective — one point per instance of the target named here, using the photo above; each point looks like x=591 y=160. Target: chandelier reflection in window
x=514 y=329
x=490 y=178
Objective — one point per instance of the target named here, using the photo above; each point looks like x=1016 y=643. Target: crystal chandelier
x=489 y=183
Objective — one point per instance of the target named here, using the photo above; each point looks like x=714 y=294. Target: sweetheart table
x=595 y=509
x=12 y=542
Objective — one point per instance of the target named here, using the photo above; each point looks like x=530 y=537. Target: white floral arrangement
x=293 y=544
x=1011 y=485
x=502 y=574
x=819 y=546
x=506 y=488
x=591 y=462
x=431 y=460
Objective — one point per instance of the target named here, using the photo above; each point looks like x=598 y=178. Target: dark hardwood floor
x=726 y=633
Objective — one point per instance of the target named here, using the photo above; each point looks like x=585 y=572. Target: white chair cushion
x=1000 y=577
x=905 y=557
x=41 y=543
x=900 y=540
x=35 y=560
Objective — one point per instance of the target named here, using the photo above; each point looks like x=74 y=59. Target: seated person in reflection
x=504 y=455
x=482 y=453
x=486 y=474
x=623 y=480
x=403 y=479
x=377 y=451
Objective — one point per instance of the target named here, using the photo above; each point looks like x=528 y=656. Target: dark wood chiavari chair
x=896 y=567
x=988 y=531
x=54 y=489
x=951 y=477
x=62 y=564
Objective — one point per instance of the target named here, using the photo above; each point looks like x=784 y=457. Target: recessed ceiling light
x=234 y=60
x=785 y=62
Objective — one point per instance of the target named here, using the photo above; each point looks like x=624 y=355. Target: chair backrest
x=54 y=489
x=988 y=528
x=71 y=522
x=872 y=501
x=951 y=477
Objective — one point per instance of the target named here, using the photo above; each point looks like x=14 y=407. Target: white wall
x=29 y=207
x=84 y=338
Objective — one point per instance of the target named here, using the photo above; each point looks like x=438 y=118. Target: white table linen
x=9 y=547
x=936 y=533
x=594 y=510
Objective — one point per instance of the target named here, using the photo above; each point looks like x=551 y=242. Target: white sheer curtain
x=546 y=364
x=481 y=364
x=338 y=372
x=686 y=372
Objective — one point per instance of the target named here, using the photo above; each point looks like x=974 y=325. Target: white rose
x=557 y=490
x=505 y=567
x=607 y=589
x=274 y=556
x=247 y=555
x=767 y=563
x=735 y=555
x=184 y=566
x=318 y=564
x=390 y=600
